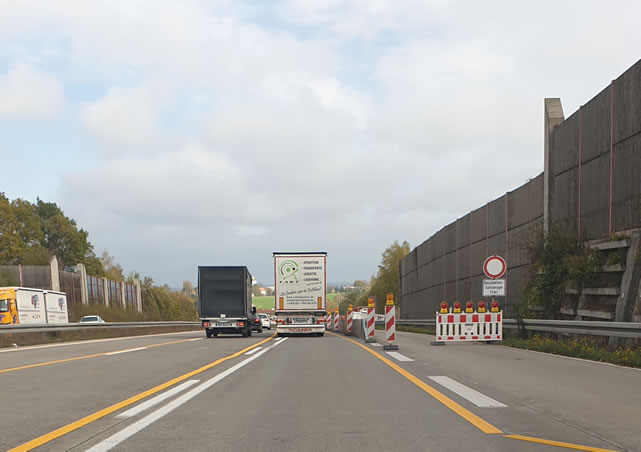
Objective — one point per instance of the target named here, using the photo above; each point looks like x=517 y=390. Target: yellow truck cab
x=8 y=309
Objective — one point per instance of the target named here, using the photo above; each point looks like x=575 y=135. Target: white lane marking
x=92 y=341
x=399 y=357
x=156 y=400
x=375 y=344
x=251 y=352
x=195 y=339
x=134 y=428
x=126 y=351
x=478 y=399
x=279 y=338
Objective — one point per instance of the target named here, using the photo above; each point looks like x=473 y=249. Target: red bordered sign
x=494 y=267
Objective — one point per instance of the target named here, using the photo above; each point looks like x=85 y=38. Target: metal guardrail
x=78 y=326
x=609 y=329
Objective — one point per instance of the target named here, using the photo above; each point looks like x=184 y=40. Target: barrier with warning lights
x=336 y=320
x=469 y=327
x=350 y=320
x=329 y=321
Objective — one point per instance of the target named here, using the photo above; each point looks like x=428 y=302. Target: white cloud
x=227 y=130
x=27 y=93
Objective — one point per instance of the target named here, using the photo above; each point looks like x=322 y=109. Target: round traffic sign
x=494 y=267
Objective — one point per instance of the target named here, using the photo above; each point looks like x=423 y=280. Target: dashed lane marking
x=478 y=399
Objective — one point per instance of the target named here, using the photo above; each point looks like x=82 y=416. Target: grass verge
x=579 y=348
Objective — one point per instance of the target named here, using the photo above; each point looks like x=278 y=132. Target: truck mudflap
x=301 y=329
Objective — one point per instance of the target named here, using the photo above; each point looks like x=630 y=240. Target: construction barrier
x=369 y=321
x=469 y=326
x=336 y=320
x=350 y=320
x=390 y=323
x=329 y=322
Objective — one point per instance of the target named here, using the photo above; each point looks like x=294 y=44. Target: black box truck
x=225 y=300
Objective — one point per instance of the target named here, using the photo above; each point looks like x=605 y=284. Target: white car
x=264 y=319
x=91 y=319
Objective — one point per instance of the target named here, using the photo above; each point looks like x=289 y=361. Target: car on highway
x=91 y=319
x=265 y=320
x=257 y=324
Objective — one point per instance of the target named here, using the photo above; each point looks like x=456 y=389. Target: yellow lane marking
x=558 y=443
x=470 y=417
x=48 y=363
x=39 y=441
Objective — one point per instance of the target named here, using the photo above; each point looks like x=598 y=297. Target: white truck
x=20 y=305
x=56 y=307
x=300 y=293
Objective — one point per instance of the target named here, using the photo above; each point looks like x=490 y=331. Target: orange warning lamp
x=495 y=306
x=444 y=308
x=457 y=307
x=389 y=299
x=469 y=307
x=350 y=308
x=370 y=302
x=481 y=306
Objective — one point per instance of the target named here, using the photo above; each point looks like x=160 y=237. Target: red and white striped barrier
x=390 y=323
x=328 y=321
x=350 y=320
x=336 y=320
x=370 y=321
x=469 y=327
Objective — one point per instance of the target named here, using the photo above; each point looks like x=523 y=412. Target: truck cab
x=8 y=310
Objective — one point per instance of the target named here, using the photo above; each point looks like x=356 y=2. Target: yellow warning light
x=389 y=299
x=469 y=307
x=495 y=306
x=444 y=307
x=370 y=302
x=457 y=307
x=481 y=307
x=350 y=308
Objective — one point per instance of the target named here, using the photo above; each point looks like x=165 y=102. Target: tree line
x=385 y=281
x=32 y=233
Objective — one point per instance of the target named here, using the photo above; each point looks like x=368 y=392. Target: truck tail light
x=205 y=324
x=241 y=324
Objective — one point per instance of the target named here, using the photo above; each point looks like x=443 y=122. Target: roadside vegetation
x=580 y=348
x=385 y=281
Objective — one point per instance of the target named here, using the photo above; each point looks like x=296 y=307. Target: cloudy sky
x=186 y=133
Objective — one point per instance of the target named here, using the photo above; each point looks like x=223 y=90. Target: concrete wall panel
x=496 y=245
x=518 y=206
x=565 y=145
x=536 y=196
x=496 y=219
x=424 y=277
x=463 y=231
x=478 y=253
x=626 y=187
x=450 y=267
x=563 y=206
x=595 y=127
x=595 y=198
x=450 y=291
x=478 y=224
x=464 y=262
x=627 y=103
x=423 y=253
x=449 y=237
x=518 y=240
x=463 y=287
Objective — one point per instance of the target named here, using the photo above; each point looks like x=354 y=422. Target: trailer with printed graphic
x=300 y=293
x=56 y=307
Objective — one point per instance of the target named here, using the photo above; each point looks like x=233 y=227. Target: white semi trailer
x=300 y=293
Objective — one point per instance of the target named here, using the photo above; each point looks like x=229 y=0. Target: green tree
x=11 y=245
x=112 y=270
x=387 y=277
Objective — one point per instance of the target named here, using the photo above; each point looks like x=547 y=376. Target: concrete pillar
x=122 y=295
x=138 y=295
x=55 y=274
x=80 y=268
x=106 y=290
x=553 y=116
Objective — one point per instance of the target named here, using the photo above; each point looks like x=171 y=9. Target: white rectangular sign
x=493 y=287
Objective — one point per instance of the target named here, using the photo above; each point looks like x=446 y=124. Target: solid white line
x=156 y=400
x=375 y=344
x=399 y=357
x=195 y=339
x=251 y=352
x=134 y=428
x=126 y=351
x=92 y=341
x=478 y=399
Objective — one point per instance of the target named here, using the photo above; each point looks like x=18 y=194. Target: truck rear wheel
x=208 y=333
x=249 y=331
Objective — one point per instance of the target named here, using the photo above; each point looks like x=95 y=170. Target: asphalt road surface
x=185 y=392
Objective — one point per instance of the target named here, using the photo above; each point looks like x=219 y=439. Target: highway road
x=182 y=391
